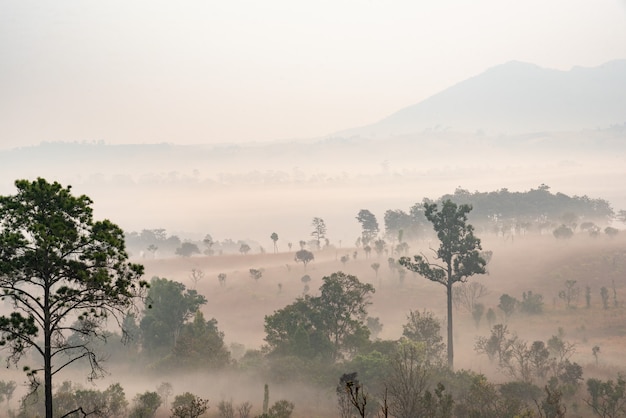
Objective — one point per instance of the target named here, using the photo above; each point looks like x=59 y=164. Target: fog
x=250 y=191
x=247 y=192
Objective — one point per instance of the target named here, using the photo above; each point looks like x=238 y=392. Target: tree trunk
x=450 y=344
x=47 y=354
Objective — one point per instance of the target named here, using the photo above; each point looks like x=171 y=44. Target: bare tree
x=195 y=276
x=274 y=238
x=466 y=295
x=408 y=380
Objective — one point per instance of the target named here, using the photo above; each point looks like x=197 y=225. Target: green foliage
x=327 y=326
x=62 y=271
x=168 y=306
x=608 y=399
x=281 y=409
x=426 y=329
x=145 y=405
x=74 y=401
x=199 y=346
x=459 y=249
x=189 y=405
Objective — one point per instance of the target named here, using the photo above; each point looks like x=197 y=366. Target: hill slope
x=516 y=98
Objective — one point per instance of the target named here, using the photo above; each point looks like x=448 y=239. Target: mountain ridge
x=516 y=98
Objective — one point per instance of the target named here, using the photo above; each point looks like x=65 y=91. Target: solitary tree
x=195 y=276
x=457 y=258
x=187 y=249
x=208 y=242
x=274 y=238
x=244 y=248
x=63 y=273
x=304 y=257
x=319 y=230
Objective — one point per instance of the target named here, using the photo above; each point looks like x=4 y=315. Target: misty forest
x=462 y=257
x=471 y=304
x=329 y=209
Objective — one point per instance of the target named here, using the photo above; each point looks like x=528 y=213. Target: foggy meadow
x=205 y=217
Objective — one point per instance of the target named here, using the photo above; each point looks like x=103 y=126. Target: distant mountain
x=516 y=98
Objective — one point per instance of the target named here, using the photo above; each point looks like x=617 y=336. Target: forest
x=472 y=304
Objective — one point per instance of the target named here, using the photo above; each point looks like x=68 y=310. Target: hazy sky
x=231 y=71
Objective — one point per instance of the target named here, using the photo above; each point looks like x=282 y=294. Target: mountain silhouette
x=516 y=98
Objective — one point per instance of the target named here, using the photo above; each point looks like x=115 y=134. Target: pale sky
x=239 y=71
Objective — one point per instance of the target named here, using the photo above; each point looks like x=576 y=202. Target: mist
x=229 y=127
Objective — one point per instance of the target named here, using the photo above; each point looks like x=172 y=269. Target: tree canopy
x=328 y=325
x=63 y=273
x=168 y=306
x=369 y=226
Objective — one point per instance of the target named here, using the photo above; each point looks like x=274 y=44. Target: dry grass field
x=540 y=264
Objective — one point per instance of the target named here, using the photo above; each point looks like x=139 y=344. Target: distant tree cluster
x=505 y=211
x=533 y=206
